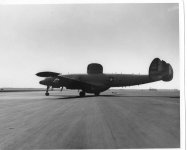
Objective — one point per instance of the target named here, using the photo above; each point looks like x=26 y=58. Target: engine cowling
x=51 y=81
x=47 y=81
x=56 y=83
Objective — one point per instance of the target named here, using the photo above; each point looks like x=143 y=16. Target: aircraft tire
x=46 y=94
x=82 y=94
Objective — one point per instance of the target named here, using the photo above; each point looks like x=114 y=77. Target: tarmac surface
x=117 y=119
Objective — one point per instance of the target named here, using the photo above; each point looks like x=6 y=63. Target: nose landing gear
x=47 y=93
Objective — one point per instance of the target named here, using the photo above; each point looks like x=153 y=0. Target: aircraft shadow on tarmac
x=73 y=97
x=87 y=96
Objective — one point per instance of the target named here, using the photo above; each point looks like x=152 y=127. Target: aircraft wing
x=47 y=74
x=75 y=83
x=68 y=81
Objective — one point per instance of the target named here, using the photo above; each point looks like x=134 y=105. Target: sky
x=65 y=38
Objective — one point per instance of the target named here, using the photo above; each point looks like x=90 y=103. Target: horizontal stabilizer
x=47 y=74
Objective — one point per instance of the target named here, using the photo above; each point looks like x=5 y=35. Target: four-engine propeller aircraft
x=95 y=81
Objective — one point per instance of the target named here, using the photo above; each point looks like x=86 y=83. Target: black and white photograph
x=90 y=76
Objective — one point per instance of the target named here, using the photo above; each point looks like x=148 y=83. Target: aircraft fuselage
x=102 y=81
x=95 y=81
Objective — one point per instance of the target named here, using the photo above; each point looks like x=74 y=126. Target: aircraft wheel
x=97 y=94
x=82 y=94
x=47 y=94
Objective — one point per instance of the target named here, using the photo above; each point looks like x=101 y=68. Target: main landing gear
x=47 y=93
x=82 y=94
x=97 y=94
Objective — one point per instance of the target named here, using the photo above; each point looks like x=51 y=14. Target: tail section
x=160 y=70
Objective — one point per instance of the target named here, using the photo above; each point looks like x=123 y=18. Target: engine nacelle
x=56 y=83
x=94 y=68
x=51 y=81
x=47 y=81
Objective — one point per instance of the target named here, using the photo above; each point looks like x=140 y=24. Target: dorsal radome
x=95 y=68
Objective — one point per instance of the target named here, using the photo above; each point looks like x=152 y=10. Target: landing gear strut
x=82 y=94
x=47 y=93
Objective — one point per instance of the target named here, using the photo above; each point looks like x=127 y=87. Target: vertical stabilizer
x=160 y=70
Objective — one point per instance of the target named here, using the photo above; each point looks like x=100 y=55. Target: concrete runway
x=126 y=119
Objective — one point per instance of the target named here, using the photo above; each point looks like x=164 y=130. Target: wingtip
x=38 y=74
x=47 y=74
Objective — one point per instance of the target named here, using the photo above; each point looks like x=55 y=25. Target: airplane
x=95 y=81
